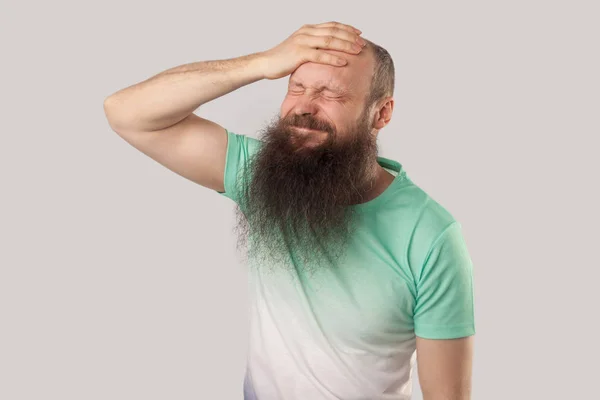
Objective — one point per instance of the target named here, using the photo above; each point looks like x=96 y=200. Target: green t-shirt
x=349 y=332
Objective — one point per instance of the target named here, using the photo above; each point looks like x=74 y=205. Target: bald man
x=355 y=272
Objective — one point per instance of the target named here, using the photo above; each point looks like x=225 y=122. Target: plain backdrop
x=119 y=279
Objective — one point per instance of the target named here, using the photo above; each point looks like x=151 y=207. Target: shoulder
x=427 y=220
x=424 y=214
x=243 y=143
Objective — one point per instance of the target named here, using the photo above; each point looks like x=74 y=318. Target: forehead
x=355 y=76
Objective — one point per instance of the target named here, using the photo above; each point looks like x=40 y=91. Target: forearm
x=447 y=396
x=170 y=96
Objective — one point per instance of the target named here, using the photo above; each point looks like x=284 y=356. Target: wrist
x=258 y=64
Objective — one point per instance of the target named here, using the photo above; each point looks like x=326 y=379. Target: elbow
x=111 y=114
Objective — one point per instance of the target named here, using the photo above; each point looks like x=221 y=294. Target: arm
x=445 y=368
x=444 y=318
x=156 y=115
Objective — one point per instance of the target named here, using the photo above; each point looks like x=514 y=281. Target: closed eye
x=335 y=97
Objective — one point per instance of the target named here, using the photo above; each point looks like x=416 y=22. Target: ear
x=383 y=113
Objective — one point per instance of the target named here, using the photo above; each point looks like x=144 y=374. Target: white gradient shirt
x=349 y=332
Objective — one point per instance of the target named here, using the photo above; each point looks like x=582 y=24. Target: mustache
x=308 y=122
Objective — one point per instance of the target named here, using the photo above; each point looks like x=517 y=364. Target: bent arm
x=156 y=116
x=168 y=97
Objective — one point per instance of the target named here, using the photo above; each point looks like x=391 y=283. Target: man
x=355 y=271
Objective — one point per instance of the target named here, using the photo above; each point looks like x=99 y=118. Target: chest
x=364 y=302
x=367 y=301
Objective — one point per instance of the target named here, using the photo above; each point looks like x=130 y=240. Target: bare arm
x=156 y=115
x=167 y=98
x=445 y=368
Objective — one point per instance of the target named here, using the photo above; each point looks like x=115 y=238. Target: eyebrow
x=331 y=88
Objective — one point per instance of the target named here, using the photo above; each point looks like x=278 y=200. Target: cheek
x=286 y=106
x=337 y=116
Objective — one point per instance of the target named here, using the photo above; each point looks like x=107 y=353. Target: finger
x=323 y=57
x=334 y=24
x=330 y=43
x=351 y=37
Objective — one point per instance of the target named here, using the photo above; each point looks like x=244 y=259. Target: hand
x=309 y=44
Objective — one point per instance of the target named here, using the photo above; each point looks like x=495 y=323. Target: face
x=333 y=96
x=316 y=160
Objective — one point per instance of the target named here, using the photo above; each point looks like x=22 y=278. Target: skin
x=337 y=95
x=445 y=368
x=156 y=117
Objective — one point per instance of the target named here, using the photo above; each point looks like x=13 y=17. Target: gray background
x=119 y=278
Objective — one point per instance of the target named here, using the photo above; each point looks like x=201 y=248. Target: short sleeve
x=444 y=306
x=240 y=149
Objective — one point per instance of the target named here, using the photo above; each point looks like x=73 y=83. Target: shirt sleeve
x=240 y=149
x=444 y=306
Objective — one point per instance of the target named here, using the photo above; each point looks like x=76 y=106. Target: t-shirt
x=350 y=332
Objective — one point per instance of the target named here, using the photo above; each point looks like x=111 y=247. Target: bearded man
x=355 y=272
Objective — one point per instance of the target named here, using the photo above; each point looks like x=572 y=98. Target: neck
x=379 y=180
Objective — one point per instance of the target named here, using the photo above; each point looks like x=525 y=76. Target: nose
x=305 y=106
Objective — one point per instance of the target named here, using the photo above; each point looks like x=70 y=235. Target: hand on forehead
x=356 y=75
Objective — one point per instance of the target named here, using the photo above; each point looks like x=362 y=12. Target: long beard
x=294 y=208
